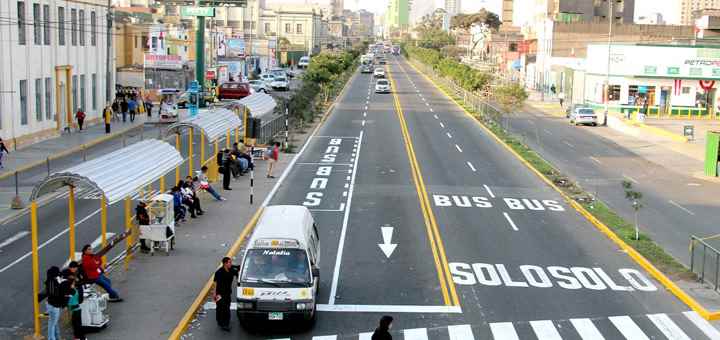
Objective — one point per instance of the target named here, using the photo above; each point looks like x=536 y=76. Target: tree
x=465 y=21
x=634 y=197
x=510 y=97
x=430 y=31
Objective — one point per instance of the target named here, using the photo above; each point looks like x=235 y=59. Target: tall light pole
x=607 y=73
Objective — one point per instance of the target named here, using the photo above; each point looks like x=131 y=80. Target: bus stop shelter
x=117 y=176
x=255 y=105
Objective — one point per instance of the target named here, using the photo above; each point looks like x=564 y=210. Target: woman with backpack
x=56 y=300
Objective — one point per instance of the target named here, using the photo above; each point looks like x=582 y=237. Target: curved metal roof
x=258 y=103
x=213 y=123
x=118 y=174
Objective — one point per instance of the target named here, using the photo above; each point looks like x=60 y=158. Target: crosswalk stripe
x=416 y=334
x=325 y=337
x=545 y=330
x=366 y=336
x=628 y=328
x=461 y=332
x=586 y=329
x=503 y=331
x=668 y=327
x=703 y=324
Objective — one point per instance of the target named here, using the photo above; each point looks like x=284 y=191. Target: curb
x=634 y=254
x=659 y=131
x=551 y=113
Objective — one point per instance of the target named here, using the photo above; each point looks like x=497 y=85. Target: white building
x=52 y=61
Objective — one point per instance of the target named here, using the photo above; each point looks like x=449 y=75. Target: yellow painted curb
x=634 y=254
x=659 y=132
x=202 y=295
x=550 y=112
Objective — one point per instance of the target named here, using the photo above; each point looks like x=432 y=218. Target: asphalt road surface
x=485 y=250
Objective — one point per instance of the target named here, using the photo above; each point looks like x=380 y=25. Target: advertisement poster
x=235 y=48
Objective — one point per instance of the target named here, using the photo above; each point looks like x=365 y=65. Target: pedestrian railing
x=270 y=129
x=704 y=261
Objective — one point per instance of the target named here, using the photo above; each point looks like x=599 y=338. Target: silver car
x=259 y=86
x=584 y=116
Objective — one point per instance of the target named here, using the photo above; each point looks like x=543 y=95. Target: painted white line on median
x=586 y=329
x=442 y=125
x=487 y=188
x=628 y=328
x=471 y=166
x=48 y=241
x=503 y=331
x=448 y=134
x=458 y=148
x=13 y=238
x=595 y=160
x=388 y=309
x=346 y=217
x=512 y=224
x=681 y=207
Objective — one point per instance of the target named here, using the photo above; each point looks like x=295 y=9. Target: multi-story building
x=583 y=10
x=687 y=7
x=397 y=15
x=53 y=61
x=299 y=24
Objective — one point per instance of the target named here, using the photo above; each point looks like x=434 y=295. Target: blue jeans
x=104 y=282
x=213 y=193
x=53 y=319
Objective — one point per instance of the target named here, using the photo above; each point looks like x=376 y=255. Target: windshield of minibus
x=276 y=266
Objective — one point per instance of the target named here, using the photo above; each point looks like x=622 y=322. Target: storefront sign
x=197 y=11
x=650 y=70
x=667 y=61
x=171 y=62
x=696 y=72
x=673 y=70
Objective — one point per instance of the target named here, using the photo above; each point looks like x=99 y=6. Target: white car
x=583 y=115
x=379 y=72
x=304 y=62
x=382 y=86
x=280 y=83
x=267 y=78
x=259 y=86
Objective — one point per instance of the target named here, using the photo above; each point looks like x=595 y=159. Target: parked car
x=382 y=86
x=259 y=86
x=234 y=90
x=379 y=72
x=267 y=78
x=572 y=108
x=366 y=68
x=278 y=71
x=280 y=83
x=583 y=115
x=304 y=62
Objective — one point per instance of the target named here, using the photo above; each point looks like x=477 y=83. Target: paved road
x=484 y=248
x=676 y=205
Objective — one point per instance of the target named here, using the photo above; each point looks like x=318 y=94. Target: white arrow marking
x=387 y=247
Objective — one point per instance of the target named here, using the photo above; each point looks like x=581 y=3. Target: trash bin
x=689 y=131
x=712 y=145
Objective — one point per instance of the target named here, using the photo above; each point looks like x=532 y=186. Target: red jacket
x=275 y=153
x=91 y=266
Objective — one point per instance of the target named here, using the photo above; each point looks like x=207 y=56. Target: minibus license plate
x=275 y=316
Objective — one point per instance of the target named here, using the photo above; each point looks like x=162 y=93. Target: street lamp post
x=607 y=74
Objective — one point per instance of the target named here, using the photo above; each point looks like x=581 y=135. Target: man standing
x=132 y=107
x=80 y=116
x=272 y=155
x=226 y=163
x=107 y=116
x=124 y=108
x=222 y=294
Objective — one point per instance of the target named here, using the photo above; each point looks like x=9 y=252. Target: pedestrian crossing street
x=680 y=326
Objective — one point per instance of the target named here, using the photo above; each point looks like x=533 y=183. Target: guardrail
x=704 y=261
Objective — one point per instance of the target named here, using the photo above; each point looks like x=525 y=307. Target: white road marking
x=460 y=332
x=487 y=188
x=568 y=144
x=703 y=324
x=347 y=185
x=628 y=328
x=547 y=131
x=681 y=207
x=431 y=110
x=368 y=98
x=545 y=330
x=365 y=336
x=448 y=134
x=366 y=107
x=341 y=244
x=423 y=98
x=49 y=240
x=668 y=327
x=694 y=184
x=415 y=334
x=325 y=337
x=503 y=331
x=586 y=329
x=458 y=148
x=350 y=171
x=436 y=117
x=363 y=122
x=630 y=179
x=347 y=178
x=364 y=114
x=326 y=164
x=342 y=208
x=595 y=160
x=427 y=104
x=442 y=125
x=389 y=308
x=471 y=166
x=345 y=193
x=512 y=224
x=13 y=238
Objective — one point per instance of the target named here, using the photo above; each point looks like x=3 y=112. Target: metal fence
x=704 y=261
x=272 y=128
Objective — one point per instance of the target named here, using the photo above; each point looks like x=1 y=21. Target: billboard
x=235 y=47
x=168 y=62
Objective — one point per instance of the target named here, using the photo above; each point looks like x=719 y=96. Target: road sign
x=197 y=11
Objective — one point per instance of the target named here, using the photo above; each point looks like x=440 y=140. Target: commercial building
x=299 y=24
x=397 y=16
x=53 y=60
x=677 y=80
x=687 y=7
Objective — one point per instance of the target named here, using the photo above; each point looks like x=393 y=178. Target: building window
x=288 y=28
x=614 y=93
x=23 y=103
x=61 y=26
x=36 y=24
x=298 y=29
x=267 y=27
x=74 y=93
x=38 y=100
x=93 y=93
x=21 y=22
x=48 y=99
x=73 y=27
x=82 y=92
x=633 y=91
x=81 y=23
x=93 y=29
x=46 y=24
x=686 y=90
x=154 y=43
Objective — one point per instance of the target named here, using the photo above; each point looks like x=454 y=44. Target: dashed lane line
x=512 y=224
x=442 y=125
x=471 y=166
x=458 y=147
x=681 y=207
x=487 y=188
x=449 y=135
x=595 y=160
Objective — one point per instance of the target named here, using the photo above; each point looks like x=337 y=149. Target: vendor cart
x=160 y=233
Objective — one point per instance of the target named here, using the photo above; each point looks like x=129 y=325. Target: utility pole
x=607 y=74
x=200 y=54
x=108 y=65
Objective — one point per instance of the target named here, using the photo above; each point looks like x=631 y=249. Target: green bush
x=463 y=75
